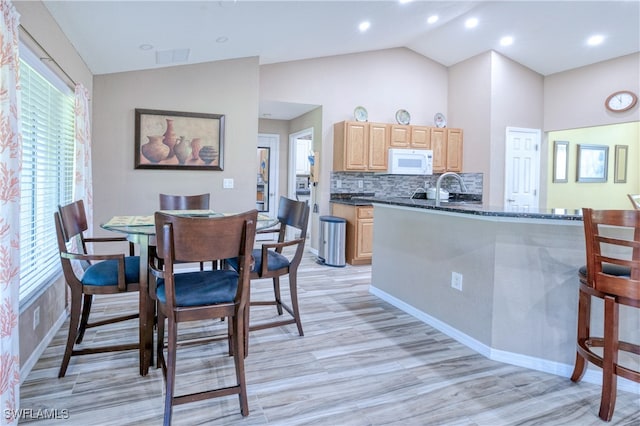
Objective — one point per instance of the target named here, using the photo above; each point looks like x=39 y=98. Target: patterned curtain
x=10 y=164
x=83 y=186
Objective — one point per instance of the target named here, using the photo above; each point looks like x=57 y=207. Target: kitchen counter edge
x=469 y=208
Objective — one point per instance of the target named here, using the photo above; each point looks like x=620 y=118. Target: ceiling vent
x=173 y=56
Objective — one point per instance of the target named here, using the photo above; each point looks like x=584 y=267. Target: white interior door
x=522 y=169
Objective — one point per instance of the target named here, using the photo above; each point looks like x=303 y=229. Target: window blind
x=46 y=180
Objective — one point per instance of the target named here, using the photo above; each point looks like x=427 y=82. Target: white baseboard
x=564 y=370
x=39 y=350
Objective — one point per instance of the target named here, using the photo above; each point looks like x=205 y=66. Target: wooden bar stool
x=612 y=273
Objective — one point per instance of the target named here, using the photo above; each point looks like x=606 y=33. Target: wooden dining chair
x=272 y=262
x=184 y=202
x=202 y=295
x=187 y=202
x=612 y=273
x=100 y=274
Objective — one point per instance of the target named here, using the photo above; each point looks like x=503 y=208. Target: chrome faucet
x=463 y=187
x=417 y=190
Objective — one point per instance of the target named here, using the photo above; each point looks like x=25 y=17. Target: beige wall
x=487 y=94
x=382 y=81
x=516 y=101
x=469 y=99
x=575 y=98
x=225 y=87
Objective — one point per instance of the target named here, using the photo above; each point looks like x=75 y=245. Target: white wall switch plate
x=227 y=183
x=456 y=281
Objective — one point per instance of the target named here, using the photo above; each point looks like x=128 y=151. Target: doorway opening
x=267 y=174
x=300 y=187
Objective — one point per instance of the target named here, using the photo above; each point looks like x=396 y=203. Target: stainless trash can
x=333 y=231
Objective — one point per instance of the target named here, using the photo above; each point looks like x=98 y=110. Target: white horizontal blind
x=46 y=181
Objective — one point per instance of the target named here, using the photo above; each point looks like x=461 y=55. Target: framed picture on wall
x=592 y=163
x=620 y=165
x=178 y=140
x=560 y=161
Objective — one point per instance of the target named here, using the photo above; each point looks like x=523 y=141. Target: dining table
x=141 y=231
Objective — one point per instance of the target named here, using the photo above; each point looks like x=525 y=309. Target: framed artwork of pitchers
x=178 y=140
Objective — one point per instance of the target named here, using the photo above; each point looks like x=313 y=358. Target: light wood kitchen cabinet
x=420 y=137
x=454 y=150
x=359 y=146
x=410 y=137
x=400 y=136
x=439 y=147
x=447 y=149
x=359 y=237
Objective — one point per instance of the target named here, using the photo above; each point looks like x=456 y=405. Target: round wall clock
x=621 y=101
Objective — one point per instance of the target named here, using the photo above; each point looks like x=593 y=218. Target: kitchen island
x=517 y=272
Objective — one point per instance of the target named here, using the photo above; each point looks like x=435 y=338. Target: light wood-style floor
x=361 y=362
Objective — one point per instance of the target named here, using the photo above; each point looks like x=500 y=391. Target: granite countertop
x=472 y=208
x=352 y=199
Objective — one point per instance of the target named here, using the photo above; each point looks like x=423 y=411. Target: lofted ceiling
x=548 y=36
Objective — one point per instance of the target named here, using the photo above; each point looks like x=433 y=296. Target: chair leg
x=276 y=293
x=293 y=291
x=584 y=317
x=610 y=359
x=171 y=371
x=239 y=341
x=76 y=301
x=160 y=340
x=84 y=320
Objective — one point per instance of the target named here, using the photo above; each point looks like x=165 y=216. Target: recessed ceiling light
x=364 y=26
x=404 y=1
x=595 y=40
x=145 y=47
x=471 y=23
x=432 y=19
x=222 y=39
x=506 y=41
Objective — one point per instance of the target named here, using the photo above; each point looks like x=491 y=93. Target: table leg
x=146 y=307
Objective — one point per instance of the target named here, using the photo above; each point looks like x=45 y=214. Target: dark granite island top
x=472 y=208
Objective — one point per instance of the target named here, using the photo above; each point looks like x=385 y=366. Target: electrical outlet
x=227 y=183
x=360 y=184
x=338 y=184
x=36 y=317
x=456 y=281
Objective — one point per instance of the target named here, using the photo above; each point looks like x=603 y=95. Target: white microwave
x=410 y=161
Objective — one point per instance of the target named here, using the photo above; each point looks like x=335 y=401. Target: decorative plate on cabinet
x=439 y=120
x=360 y=113
x=403 y=116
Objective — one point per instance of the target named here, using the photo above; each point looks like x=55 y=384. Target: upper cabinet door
x=400 y=136
x=420 y=137
x=350 y=146
x=439 y=147
x=378 y=146
x=454 y=150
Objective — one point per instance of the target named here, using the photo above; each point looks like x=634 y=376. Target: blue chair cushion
x=274 y=261
x=617 y=270
x=201 y=288
x=106 y=272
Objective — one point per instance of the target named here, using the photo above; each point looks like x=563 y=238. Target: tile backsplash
x=398 y=185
